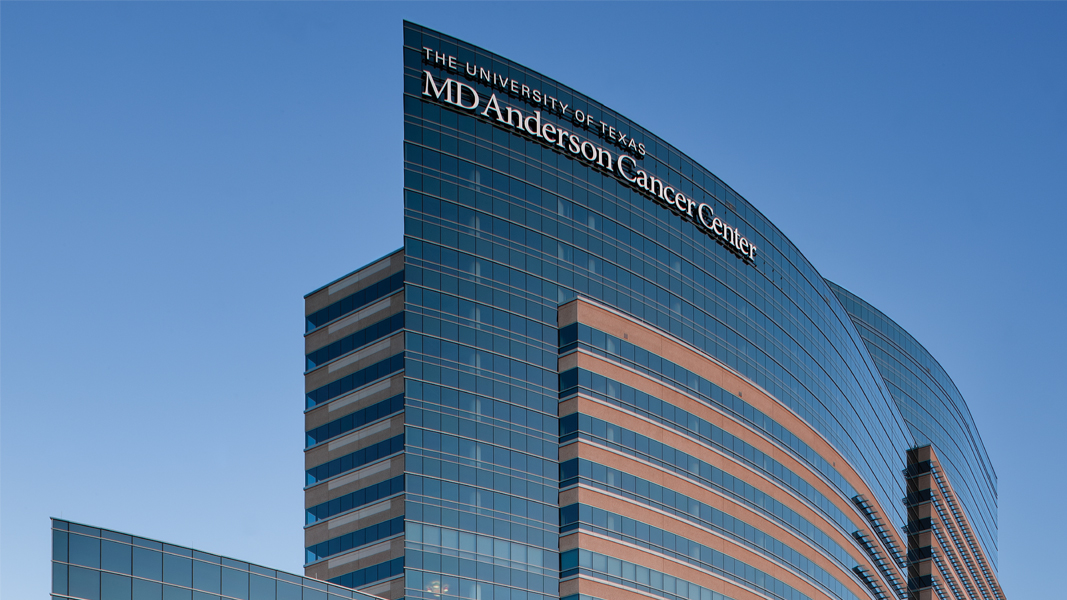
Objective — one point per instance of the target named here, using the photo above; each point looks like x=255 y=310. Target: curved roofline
x=767 y=229
x=647 y=131
x=966 y=405
x=830 y=298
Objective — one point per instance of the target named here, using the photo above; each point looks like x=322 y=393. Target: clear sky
x=175 y=176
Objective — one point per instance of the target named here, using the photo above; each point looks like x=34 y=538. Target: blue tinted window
x=59 y=545
x=658 y=453
x=115 y=587
x=207 y=577
x=84 y=551
x=261 y=588
x=89 y=531
x=355 y=459
x=148 y=563
x=171 y=592
x=177 y=570
x=652 y=494
x=235 y=583
x=84 y=583
x=355 y=420
x=59 y=578
x=147 y=590
x=115 y=556
x=355 y=380
x=356 y=340
x=360 y=497
x=664 y=370
x=370 y=574
x=355 y=301
x=355 y=539
x=288 y=591
x=664 y=542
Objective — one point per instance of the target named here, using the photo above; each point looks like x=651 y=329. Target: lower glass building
x=594 y=370
x=90 y=563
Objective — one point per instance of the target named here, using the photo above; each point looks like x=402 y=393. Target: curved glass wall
x=935 y=412
x=502 y=227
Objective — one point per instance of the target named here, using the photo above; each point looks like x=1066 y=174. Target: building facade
x=90 y=563
x=594 y=370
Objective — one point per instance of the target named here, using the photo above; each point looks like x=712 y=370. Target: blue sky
x=175 y=176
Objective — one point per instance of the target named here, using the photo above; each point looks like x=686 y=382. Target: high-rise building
x=595 y=371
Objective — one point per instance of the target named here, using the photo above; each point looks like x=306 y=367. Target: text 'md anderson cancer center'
x=594 y=371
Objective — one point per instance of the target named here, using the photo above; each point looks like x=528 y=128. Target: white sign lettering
x=533 y=96
x=624 y=167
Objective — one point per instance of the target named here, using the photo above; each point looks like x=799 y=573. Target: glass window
x=59 y=545
x=262 y=571
x=261 y=588
x=148 y=564
x=288 y=591
x=180 y=551
x=236 y=564
x=59 y=578
x=211 y=558
x=115 y=587
x=147 y=590
x=177 y=570
x=90 y=531
x=235 y=583
x=171 y=592
x=115 y=556
x=84 y=551
x=147 y=543
x=207 y=577
x=84 y=583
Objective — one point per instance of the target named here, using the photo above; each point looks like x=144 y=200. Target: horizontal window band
x=693 y=427
x=626 y=529
x=371 y=574
x=353 y=540
x=353 y=500
x=658 y=453
x=355 y=380
x=354 y=301
x=343 y=425
x=355 y=460
x=628 y=574
x=355 y=341
x=653 y=495
x=609 y=346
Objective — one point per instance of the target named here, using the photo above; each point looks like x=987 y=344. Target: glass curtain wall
x=500 y=229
